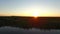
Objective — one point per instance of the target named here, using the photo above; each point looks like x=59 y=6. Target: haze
x=29 y=7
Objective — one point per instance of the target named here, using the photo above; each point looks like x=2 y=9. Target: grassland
x=30 y=22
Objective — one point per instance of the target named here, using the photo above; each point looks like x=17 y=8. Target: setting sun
x=35 y=14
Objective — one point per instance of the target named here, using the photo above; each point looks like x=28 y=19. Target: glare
x=35 y=14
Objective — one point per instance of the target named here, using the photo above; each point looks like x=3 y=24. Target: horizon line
x=30 y=16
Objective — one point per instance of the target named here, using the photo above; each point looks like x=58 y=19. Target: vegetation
x=30 y=22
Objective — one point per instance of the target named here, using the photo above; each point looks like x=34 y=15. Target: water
x=14 y=30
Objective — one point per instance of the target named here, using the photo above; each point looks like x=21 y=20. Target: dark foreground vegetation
x=30 y=22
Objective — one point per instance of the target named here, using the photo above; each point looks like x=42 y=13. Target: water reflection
x=29 y=25
x=16 y=30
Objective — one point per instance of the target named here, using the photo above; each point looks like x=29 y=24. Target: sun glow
x=36 y=14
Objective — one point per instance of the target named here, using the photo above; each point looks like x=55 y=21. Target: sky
x=29 y=7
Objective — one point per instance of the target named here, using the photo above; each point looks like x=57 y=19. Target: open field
x=31 y=22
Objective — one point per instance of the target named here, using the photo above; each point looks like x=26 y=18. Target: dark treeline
x=30 y=22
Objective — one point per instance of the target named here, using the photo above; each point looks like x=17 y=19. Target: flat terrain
x=31 y=22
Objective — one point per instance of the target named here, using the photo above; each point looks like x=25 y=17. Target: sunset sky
x=29 y=7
